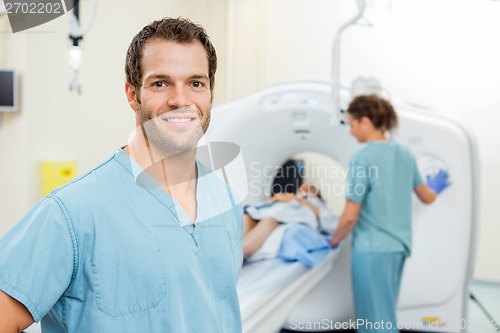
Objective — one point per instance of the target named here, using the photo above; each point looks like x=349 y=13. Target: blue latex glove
x=438 y=182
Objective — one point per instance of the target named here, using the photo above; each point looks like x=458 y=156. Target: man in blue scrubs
x=151 y=239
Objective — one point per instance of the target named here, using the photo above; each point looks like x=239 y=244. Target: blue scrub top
x=381 y=177
x=111 y=252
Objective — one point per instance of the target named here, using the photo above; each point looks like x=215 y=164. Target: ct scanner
x=281 y=121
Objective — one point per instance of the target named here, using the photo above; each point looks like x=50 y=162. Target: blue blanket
x=301 y=243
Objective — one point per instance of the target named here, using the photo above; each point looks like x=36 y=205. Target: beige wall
x=55 y=124
x=13 y=136
x=440 y=54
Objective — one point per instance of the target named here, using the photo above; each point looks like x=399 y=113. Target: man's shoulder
x=98 y=179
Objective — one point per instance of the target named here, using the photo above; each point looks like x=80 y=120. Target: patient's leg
x=248 y=224
x=255 y=237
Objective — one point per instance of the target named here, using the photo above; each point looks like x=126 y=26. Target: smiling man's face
x=175 y=94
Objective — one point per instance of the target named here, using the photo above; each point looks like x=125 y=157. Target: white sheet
x=268 y=290
x=289 y=213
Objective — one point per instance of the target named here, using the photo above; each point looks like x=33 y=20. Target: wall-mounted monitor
x=8 y=90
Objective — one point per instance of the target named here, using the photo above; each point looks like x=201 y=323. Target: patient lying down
x=304 y=214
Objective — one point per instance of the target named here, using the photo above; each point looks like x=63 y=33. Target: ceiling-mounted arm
x=75 y=50
x=338 y=112
x=76 y=33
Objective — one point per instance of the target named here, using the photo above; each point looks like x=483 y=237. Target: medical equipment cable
x=485 y=312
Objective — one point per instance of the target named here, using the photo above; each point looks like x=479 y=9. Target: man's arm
x=14 y=317
x=347 y=221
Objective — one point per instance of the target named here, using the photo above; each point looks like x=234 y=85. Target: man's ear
x=132 y=96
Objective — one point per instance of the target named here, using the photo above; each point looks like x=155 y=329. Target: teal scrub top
x=381 y=177
x=113 y=253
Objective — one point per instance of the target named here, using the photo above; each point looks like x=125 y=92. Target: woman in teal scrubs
x=381 y=177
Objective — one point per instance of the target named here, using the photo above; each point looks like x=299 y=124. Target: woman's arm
x=282 y=197
x=425 y=194
x=347 y=222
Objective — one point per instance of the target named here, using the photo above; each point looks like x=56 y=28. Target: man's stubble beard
x=170 y=141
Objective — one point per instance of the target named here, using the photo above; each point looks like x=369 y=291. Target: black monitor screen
x=7 y=89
